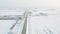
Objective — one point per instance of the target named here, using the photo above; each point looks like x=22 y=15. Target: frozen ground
x=40 y=23
x=5 y=25
x=46 y=23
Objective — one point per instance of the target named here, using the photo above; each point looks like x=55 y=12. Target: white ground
x=44 y=24
x=5 y=26
x=36 y=24
x=40 y=23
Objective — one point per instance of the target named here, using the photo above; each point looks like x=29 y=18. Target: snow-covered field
x=5 y=25
x=39 y=22
x=44 y=24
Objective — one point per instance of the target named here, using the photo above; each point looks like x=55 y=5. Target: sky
x=46 y=3
x=29 y=3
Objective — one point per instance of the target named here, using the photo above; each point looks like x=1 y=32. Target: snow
x=41 y=24
x=5 y=26
x=49 y=24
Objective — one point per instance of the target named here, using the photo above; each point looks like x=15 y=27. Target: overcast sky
x=30 y=3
